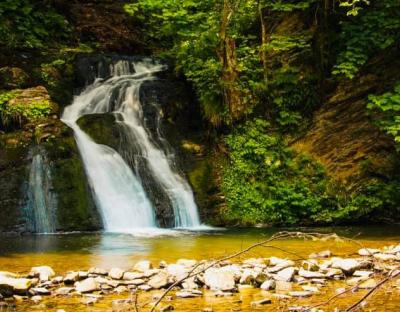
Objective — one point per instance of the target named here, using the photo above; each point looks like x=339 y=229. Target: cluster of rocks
x=284 y=278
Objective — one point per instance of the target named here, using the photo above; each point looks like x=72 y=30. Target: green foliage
x=267 y=182
x=372 y=30
x=388 y=104
x=30 y=24
x=19 y=111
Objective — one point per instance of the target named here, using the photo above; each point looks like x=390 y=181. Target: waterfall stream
x=42 y=202
x=117 y=188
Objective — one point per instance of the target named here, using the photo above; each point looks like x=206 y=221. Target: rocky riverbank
x=276 y=278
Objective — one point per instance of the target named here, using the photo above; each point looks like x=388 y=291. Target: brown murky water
x=82 y=251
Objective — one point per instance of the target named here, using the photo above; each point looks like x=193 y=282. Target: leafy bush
x=388 y=104
x=266 y=182
x=19 y=112
x=371 y=30
x=30 y=24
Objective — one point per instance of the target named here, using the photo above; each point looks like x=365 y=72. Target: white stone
x=186 y=294
x=310 y=274
x=187 y=263
x=216 y=279
x=116 y=273
x=143 y=266
x=268 y=285
x=177 y=271
x=71 y=277
x=98 y=271
x=349 y=265
x=132 y=275
x=87 y=285
x=300 y=293
x=368 y=284
x=367 y=251
x=386 y=257
x=159 y=281
x=360 y=273
x=285 y=275
x=43 y=272
x=40 y=291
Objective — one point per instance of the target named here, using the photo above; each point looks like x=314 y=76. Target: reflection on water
x=81 y=251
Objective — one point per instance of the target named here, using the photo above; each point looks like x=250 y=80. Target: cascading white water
x=119 y=194
x=41 y=200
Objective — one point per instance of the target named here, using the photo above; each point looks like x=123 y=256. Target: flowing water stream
x=117 y=188
x=42 y=201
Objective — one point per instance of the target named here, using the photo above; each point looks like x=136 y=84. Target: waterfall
x=118 y=189
x=42 y=202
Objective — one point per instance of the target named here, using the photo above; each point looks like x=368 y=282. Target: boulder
x=386 y=257
x=116 y=273
x=132 y=275
x=310 y=274
x=367 y=251
x=285 y=275
x=177 y=271
x=40 y=291
x=45 y=273
x=71 y=278
x=348 y=266
x=300 y=294
x=361 y=273
x=190 y=284
x=159 y=281
x=143 y=266
x=368 y=284
x=13 y=78
x=16 y=285
x=268 y=285
x=187 y=294
x=87 y=285
x=97 y=271
x=63 y=291
x=216 y=279
x=187 y=263
x=310 y=265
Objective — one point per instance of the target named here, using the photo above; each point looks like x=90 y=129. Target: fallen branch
x=372 y=290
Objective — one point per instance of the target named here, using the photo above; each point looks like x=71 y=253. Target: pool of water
x=81 y=251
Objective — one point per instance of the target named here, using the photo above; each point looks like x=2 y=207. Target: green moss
x=76 y=210
x=102 y=128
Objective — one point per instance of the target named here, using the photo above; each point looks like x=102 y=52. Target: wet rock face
x=75 y=210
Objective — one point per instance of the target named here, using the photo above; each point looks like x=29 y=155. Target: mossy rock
x=76 y=210
x=102 y=128
x=13 y=78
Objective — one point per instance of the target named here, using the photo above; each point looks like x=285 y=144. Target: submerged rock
x=261 y=302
